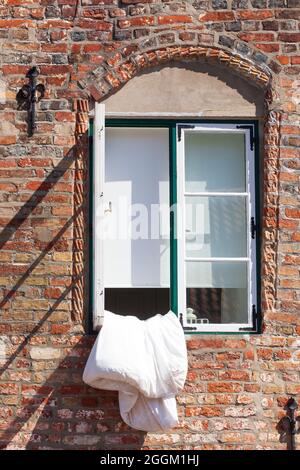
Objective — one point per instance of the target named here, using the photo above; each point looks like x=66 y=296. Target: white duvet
x=146 y=362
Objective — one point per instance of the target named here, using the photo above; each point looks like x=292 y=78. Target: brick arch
x=114 y=72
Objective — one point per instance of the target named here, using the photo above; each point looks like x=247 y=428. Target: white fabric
x=146 y=361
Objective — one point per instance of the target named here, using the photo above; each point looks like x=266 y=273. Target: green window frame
x=171 y=125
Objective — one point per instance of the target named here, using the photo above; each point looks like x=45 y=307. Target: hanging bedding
x=146 y=362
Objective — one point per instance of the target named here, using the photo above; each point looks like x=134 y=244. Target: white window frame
x=97 y=216
x=251 y=242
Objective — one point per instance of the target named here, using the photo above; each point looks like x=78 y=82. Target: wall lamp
x=291 y=407
x=28 y=96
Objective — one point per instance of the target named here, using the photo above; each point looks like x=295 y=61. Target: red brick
x=290 y=259
x=16 y=23
x=95 y=25
x=9 y=187
x=290 y=224
x=289 y=153
x=175 y=19
x=268 y=47
x=71 y=390
x=288 y=271
x=136 y=22
x=260 y=37
x=52 y=293
x=290 y=129
x=92 y=47
x=34 y=162
x=293 y=213
x=240 y=375
x=36 y=389
x=293 y=389
x=292 y=283
x=264 y=353
x=65 y=116
x=38 y=185
x=296 y=236
x=56 y=23
x=91 y=402
x=209 y=411
x=62 y=47
x=223 y=387
x=8 y=164
x=57 y=35
x=294 y=141
x=131 y=2
x=199 y=343
x=217 y=16
x=94 y=13
x=282 y=354
x=255 y=14
x=8 y=140
x=292 y=177
x=9 y=388
x=55 y=69
x=289 y=37
x=283 y=59
x=63 y=210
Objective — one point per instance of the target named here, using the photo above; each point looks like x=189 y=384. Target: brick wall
x=237 y=386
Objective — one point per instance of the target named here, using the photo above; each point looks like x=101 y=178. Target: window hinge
x=254 y=321
x=186 y=328
x=253 y=227
x=252 y=137
x=183 y=126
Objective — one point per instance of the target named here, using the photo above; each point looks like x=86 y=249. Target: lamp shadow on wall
x=51 y=408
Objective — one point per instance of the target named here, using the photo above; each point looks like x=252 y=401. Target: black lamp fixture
x=29 y=95
x=291 y=407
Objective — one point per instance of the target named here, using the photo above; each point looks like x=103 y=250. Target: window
x=174 y=224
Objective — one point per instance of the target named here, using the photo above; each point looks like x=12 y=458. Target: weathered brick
x=44 y=353
x=224 y=387
x=289 y=37
x=134 y=22
x=208 y=411
x=217 y=16
x=174 y=19
x=255 y=14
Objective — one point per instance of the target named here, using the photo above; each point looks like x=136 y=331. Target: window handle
x=109 y=209
x=185 y=328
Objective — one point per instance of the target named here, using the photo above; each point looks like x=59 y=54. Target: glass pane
x=136 y=222
x=216 y=292
x=142 y=302
x=214 y=162
x=216 y=226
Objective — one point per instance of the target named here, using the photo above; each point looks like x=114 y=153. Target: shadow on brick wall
x=46 y=405
x=56 y=410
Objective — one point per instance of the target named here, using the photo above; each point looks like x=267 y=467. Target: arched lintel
x=109 y=77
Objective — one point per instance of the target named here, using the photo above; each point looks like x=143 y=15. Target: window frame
x=250 y=197
x=172 y=125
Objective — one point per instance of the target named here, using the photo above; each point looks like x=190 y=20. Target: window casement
x=175 y=221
